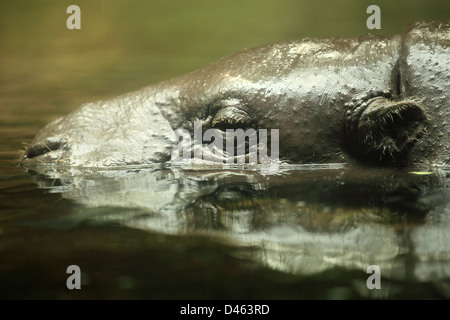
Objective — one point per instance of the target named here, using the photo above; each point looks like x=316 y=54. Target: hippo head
x=381 y=100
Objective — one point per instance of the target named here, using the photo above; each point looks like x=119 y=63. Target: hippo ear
x=386 y=129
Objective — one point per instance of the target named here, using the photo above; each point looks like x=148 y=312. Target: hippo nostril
x=43 y=147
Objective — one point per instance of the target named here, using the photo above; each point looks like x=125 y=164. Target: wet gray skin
x=373 y=99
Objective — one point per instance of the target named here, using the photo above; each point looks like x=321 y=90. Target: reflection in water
x=304 y=220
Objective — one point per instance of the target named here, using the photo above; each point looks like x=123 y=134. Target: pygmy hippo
x=375 y=100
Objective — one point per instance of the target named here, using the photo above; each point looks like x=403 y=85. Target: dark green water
x=177 y=233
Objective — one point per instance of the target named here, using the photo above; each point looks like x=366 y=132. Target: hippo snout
x=123 y=131
x=48 y=145
x=380 y=100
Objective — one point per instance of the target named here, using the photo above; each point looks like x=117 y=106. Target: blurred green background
x=124 y=45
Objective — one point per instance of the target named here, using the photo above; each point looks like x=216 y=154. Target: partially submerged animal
x=382 y=100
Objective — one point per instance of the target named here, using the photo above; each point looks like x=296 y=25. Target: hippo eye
x=231 y=118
